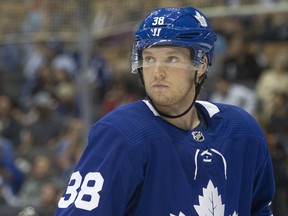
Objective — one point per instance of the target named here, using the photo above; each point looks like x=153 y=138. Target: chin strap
x=198 y=86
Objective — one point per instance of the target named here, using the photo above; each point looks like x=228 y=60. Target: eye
x=149 y=60
x=172 y=59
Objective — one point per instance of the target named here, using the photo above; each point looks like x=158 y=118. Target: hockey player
x=170 y=154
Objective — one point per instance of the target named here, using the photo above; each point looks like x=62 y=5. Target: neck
x=186 y=122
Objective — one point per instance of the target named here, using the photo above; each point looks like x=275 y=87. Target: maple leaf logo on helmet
x=201 y=19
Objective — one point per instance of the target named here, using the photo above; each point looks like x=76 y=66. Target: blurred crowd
x=41 y=115
x=54 y=16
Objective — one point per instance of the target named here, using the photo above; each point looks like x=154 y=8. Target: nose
x=159 y=71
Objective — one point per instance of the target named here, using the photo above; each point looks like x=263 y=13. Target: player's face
x=168 y=76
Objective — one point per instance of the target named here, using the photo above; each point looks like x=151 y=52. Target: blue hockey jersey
x=138 y=164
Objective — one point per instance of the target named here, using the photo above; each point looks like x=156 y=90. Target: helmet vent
x=158 y=26
x=189 y=35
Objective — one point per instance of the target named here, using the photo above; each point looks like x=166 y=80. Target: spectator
x=275 y=28
x=41 y=175
x=279 y=155
x=100 y=74
x=43 y=81
x=64 y=63
x=10 y=57
x=39 y=136
x=235 y=94
x=35 y=17
x=240 y=65
x=11 y=177
x=272 y=80
x=48 y=198
x=67 y=97
x=9 y=126
x=278 y=119
x=117 y=96
x=68 y=149
x=36 y=58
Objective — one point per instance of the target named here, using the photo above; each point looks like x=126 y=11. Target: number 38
x=85 y=190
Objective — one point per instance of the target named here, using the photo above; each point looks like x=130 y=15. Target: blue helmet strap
x=198 y=86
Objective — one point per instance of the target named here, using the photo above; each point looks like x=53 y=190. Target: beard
x=168 y=98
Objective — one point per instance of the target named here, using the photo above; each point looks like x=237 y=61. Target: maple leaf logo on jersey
x=201 y=19
x=211 y=202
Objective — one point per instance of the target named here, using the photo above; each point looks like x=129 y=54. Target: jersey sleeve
x=104 y=179
x=264 y=186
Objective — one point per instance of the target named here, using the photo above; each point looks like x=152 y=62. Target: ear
x=203 y=68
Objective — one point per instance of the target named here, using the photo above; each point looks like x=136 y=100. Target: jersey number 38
x=88 y=196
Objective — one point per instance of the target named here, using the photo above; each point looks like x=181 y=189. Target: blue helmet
x=183 y=27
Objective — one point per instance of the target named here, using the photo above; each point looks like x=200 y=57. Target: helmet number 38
x=88 y=196
x=157 y=21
